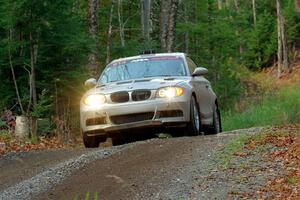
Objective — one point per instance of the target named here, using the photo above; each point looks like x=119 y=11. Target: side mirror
x=200 y=71
x=90 y=82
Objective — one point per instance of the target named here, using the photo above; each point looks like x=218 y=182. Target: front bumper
x=155 y=106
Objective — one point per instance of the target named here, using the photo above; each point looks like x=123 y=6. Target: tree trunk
x=32 y=64
x=239 y=29
x=279 y=39
x=172 y=26
x=33 y=61
x=22 y=127
x=279 y=54
x=33 y=120
x=237 y=4
x=210 y=31
x=13 y=73
x=121 y=26
x=186 y=34
x=93 y=29
x=254 y=12
x=227 y=3
x=109 y=33
x=282 y=54
x=285 y=48
x=146 y=10
x=297 y=3
x=164 y=18
x=220 y=4
x=211 y=46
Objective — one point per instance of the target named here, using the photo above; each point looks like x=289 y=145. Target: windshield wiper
x=100 y=85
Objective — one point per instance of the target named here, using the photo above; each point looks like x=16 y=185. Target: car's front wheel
x=194 y=126
x=90 y=141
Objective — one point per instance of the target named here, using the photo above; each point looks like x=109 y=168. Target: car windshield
x=143 y=68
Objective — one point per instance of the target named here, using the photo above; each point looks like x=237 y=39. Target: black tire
x=90 y=141
x=217 y=124
x=117 y=140
x=194 y=125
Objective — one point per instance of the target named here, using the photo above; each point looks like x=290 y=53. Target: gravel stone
x=47 y=179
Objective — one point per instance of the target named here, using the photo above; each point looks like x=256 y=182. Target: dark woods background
x=49 y=48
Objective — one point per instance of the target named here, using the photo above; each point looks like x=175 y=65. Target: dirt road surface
x=152 y=169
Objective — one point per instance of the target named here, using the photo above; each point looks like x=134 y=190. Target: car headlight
x=94 y=100
x=170 y=92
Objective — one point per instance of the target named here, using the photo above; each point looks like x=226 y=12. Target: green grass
x=276 y=109
x=234 y=146
x=5 y=134
x=293 y=180
x=34 y=140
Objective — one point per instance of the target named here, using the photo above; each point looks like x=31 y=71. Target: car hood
x=145 y=83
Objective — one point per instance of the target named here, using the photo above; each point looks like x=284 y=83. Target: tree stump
x=22 y=127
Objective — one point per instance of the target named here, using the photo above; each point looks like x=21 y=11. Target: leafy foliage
x=43 y=107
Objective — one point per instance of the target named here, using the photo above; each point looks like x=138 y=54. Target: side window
x=191 y=64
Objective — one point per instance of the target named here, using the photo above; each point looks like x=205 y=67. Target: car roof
x=148 y=56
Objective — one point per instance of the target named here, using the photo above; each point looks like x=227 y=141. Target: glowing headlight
x=94 y=100
x=170 y=92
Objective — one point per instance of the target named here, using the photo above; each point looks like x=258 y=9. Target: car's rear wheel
x=90 y=141
x=194 y=126
x=217 y=125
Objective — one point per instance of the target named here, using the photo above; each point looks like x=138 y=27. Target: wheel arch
x=219 y=112
x=195 y=95
x=199 y=107
x=217 y=102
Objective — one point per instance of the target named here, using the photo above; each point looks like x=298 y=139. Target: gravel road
x=152 y=169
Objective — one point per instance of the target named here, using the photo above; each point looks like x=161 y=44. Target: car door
x=204 y=94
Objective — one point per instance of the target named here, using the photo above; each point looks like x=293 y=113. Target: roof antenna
x=145 y=52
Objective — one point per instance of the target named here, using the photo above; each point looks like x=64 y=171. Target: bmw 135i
x=149 y=91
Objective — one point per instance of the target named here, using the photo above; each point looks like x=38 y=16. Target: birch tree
x=254 y=12
x=168 y=17
x=220 y=4
x=93 y=29
x=172 y=26
x=282 y=52
x=239 y=29
x=164 y=17
x=33 y=48
x=13 y=72
x=109 y=32
x=145 y=19
x=121 y=23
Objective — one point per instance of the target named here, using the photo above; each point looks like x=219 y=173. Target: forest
x=49 y=48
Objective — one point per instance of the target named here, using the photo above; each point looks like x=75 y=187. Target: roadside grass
x=235 y=145
x=34 y=140
x=280 y=108
x=5 y=134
